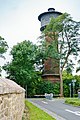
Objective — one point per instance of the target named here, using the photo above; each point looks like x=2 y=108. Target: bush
x=73 y=101
x=48 y=87
x=75 y=95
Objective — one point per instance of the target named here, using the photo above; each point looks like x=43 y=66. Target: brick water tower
x=51 y=66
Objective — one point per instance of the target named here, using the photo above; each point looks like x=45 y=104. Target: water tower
x=51 y=66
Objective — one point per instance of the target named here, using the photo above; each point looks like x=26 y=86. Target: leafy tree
x=77 y=77
x=44 y=87
x=67 y=79
x=56 y=88
x=63 y=47
x=22 y=67
x=47 y=87
x=78 y=68
x=3 y=48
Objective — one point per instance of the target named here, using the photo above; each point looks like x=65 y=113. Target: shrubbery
x=73 y=101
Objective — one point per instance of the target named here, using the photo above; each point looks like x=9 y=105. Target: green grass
x=73 y=101
x=34 y=113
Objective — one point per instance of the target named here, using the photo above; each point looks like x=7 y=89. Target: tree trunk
x=61 y=85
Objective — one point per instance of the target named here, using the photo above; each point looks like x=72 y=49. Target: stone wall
x=11 y=100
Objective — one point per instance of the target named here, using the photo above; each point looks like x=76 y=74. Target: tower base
x=51 y=77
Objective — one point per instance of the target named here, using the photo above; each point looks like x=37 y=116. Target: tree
x=47 y=87
x=44 y=87
x=77 y=77
x=3 y=48
x=78 y=68
x=22 y=67
x=67 y=79
x=63 y=32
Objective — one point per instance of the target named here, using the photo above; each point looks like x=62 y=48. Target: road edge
x=54 y=115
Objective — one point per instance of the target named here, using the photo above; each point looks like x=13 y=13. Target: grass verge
x=34 y=113
x=73 y=101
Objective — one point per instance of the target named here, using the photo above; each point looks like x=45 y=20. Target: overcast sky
x=19 y=18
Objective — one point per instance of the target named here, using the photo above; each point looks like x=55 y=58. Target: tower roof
x=50 y=10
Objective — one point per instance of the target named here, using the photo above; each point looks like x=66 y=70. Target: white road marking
x=44 y=102
x=74 y=112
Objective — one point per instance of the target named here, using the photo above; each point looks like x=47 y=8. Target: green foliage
x=78 y=68
x=66 y=91
x=75 y=95
x=67 y=76
x=44 y=87
x=67 y=79
x=22 y=68
x=77 y=78
x=56 y=88
x=3 y=47
x=47 y=87
x=73 y=101
x=55 y=25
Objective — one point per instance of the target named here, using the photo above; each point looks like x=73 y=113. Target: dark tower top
x=46 y=16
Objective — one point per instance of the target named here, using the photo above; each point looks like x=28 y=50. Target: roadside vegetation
x=73 y=101
x=34 y=113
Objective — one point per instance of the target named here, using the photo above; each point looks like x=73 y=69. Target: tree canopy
x=3 y=48
x=78 y=67
x=22 y=67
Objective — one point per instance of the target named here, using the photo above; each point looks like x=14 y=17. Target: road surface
x=58 y=109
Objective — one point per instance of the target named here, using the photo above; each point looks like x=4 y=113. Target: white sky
x=19 y=18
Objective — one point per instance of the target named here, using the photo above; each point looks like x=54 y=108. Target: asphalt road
x=58 y=109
